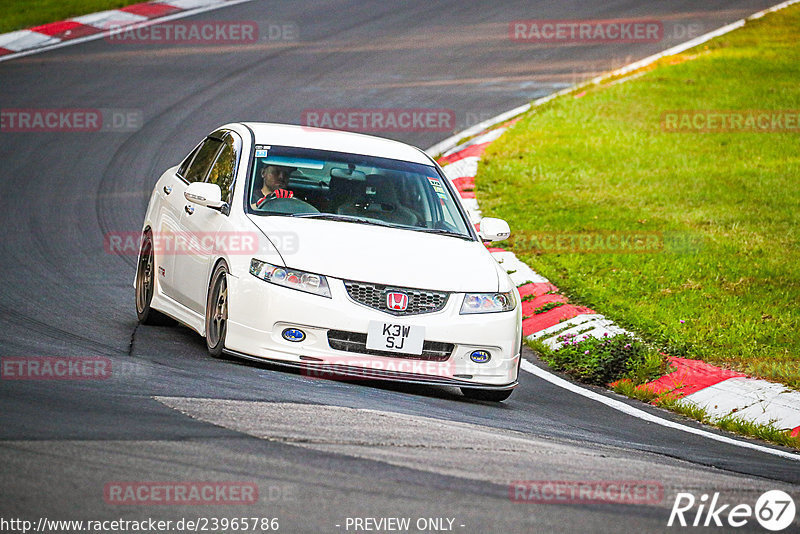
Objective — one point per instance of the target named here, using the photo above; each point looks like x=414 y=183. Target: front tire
x=145 y=285
x=488 y=395
x=217 y=311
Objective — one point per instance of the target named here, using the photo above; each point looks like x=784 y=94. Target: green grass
x=731 y=423
x=546 y=307
x=768 y=432
x=684 y=408
x=629 y=389
x=625 y=363
x=20 y=14
x=725 y=286
x=600 y=361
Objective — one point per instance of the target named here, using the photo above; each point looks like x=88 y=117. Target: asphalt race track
x=319 y=451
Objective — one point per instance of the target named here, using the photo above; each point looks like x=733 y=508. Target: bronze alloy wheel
x=145 y=285
x=217 y=311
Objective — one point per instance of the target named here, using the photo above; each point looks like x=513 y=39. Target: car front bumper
x=259 y=313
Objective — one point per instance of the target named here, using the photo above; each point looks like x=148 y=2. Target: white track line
x=645 y=416
x=452 y=141
x=94 y=37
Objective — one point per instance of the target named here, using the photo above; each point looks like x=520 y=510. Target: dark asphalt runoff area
x=322 y=453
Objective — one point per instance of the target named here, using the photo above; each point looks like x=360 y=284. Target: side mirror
x=494 y=229
x=205 y=194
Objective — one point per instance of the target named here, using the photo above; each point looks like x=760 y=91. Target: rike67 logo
x=774 y=510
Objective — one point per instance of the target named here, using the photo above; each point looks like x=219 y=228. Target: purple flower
x=628 y=346
x=682 y=321
x=587 y=352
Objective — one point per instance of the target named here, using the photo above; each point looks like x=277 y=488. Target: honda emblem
x=396 y=301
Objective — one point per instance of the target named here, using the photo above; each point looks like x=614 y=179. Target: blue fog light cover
x=480 y=356
x=293 y=334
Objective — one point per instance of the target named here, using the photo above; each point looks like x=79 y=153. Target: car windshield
x=299 y=182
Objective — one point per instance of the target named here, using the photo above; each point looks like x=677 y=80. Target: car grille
x=374 y=296
x=432 y=351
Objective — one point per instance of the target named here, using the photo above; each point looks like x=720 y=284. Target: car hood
x=381 y=255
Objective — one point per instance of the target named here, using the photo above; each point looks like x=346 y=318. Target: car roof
x=334 y=140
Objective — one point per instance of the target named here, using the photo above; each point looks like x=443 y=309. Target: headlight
x=291 y=278
x=488 y=302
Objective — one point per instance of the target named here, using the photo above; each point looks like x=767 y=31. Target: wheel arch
x=213 y=269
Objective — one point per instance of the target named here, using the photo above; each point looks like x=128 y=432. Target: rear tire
x=217 y=311
x=489 y=395
x=145 y=284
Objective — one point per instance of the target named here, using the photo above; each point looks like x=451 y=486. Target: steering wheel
x=287 y=205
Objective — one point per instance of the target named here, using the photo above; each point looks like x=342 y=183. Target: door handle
x=188 y=209
x=167 y=189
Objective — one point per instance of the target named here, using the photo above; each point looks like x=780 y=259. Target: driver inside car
x=274 y=182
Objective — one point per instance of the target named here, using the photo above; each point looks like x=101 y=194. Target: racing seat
x=342 y=191
x=379 y=200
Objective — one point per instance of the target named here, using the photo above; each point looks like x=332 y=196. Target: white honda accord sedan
x=333 y=252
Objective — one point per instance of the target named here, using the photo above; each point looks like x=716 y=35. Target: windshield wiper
x=337 y=217
x=445 y=232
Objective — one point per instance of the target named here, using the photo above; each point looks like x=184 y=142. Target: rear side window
x=198 y=168
x=224 y=168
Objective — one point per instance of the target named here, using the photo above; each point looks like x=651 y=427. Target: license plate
x=394 y=337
